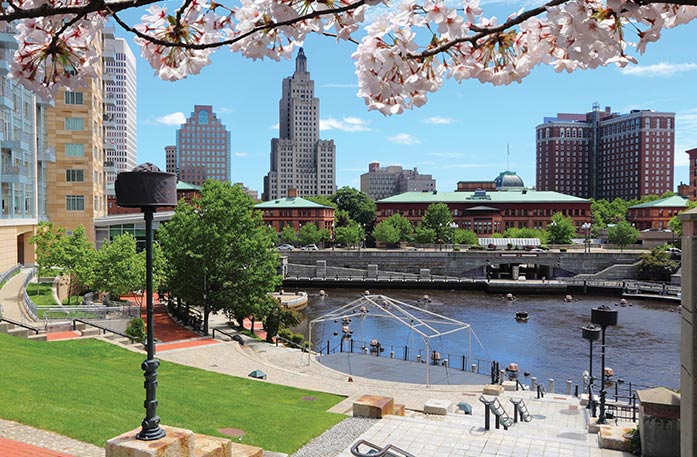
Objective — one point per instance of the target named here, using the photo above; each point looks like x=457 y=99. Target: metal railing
x=86 y=312
x=19 y=324
x=460 y=362
x=29 y=305
x=104 y=330
x=389 y=450
x=6 y=275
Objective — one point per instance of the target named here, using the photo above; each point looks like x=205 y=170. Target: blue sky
x=462 y=133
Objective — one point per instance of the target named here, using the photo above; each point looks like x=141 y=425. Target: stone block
x=93 y=331
x=493 y=389
x=5 y=327
x=611 y=437
x=39 y=337
x=373 y=406
x=242 y=450
x=177 y=443
x=398 y=410
x=19 y=332
x=508 y=386
x=439 y=407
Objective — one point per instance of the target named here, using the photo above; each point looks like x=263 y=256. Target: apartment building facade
x=299 y=158
x=382 y=182
x=606 y=155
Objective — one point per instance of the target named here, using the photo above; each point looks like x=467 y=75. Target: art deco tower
x=299 y=159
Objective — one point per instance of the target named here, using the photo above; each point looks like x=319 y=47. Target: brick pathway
x=10 y=448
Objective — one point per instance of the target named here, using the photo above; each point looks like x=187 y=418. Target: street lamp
x=591 y=333
x=587 y=227
x=147 y=188
x=604 y=317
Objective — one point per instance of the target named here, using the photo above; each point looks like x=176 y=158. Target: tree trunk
x=206 y=315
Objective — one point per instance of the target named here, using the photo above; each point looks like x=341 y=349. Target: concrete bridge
x=474 y=264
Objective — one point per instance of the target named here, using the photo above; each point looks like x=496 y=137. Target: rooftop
x=511 y=196
x=289 y=202
x=674 y=201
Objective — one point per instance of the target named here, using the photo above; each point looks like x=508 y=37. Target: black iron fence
x=412 y=354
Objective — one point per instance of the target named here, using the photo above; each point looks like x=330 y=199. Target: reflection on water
x=644 y=348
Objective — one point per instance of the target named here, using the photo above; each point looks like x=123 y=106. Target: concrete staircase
x=20 y=332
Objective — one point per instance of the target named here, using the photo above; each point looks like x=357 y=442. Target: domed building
x=509 y=180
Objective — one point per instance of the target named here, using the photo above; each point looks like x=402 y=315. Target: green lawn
x=93 y=391
x=41 y=294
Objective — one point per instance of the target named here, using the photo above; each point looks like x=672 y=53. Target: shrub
x=477 y=247
x=297 y=338
x=635 y=441
x=456 y=248
x=136 y=329
x=562 y=249
x=285 y=333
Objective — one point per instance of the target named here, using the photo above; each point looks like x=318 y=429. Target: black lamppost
x=147 y=188
x=591 y=333
x=587 y=227
x=604 y=317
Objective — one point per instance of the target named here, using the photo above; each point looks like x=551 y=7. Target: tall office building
x=77 y=180
x=299 y=159
x=606 y=155
x=203 y=148
x=119 y=78
x=24 y=160
x=171 y=159
x=383 y=182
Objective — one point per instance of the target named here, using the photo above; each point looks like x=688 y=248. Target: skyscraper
x=382 y=182
x=203 y=148
x=299 y=159
x=120 y=108
x=606 y=155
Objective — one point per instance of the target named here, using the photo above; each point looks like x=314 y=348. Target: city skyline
x=462 y=133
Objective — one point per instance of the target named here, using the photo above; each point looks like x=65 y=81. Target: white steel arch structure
x=425 y=323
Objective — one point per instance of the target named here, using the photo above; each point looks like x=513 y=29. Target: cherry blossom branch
x=47 y=10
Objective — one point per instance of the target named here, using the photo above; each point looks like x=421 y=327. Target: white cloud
x=241 y=154
x=276 y=126
x=347 y=124
x=403 y=138
x=439 y=120
x=447 y=155
x=659 y=69
x=171 y=119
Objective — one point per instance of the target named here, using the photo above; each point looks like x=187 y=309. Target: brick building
x=487 y=213
x=691 y=189
x=656 y=214
x=184 y=190
x=295 y=211
x=606 y=155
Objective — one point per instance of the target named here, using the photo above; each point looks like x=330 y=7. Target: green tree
x=308 y=234
x=657 y=264
x=386 y=233
x=424 y=235
x=464 y=236
x=403 y=226
x=49 y=244
x=622 y=234
x=560 y=230
x=321 y=200
x=77 y=260
x=439 y=219
x=289 y=235
x=359 y=206
x=119 y=269
x=219 y=252
x=349 y=235
x=674 y=223
x=277 y=317
x=525 y=232
x=136 y=329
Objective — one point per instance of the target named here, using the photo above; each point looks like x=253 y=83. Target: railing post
x=464 y=363
x=406 y=353
x=633 y=407
x=487 y=419
x=327 y=347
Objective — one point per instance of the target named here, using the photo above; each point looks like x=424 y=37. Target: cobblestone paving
x=49 y=440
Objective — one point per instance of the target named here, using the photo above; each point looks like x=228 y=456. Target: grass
x=93 y=391
x=41 y=294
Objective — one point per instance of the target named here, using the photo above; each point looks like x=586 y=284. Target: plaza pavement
x=558 y=427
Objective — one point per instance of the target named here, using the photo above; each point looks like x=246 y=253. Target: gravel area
x=336 y=439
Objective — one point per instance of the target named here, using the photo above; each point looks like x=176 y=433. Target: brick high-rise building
x=299 y=159
x=606 y=155
x=203 y=148
x=383 y=182
x=692 y=182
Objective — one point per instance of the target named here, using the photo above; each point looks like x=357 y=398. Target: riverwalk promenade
x=559 y=425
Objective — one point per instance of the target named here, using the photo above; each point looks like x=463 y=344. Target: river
x=644 y=348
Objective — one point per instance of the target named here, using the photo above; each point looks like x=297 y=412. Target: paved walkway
x=11 y=298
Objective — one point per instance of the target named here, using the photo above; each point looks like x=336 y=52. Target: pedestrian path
x=18 y=440
x=11 y=298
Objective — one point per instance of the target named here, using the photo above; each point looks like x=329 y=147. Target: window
x=75 y=150
x=73 y=98
x=75 y=202
x=74 y=123
x=74 y=175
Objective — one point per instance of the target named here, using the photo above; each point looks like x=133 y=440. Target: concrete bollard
x=551 y=386
x=392 y=354
x=533 y=383
x=418 y=358
x=568 y=386
x=474 y=368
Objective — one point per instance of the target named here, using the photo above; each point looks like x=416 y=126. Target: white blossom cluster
x=395 y=70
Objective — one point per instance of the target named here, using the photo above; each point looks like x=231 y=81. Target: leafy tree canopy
x=622 y=234
x=560 y=230
x=439 y=219
x=358 y=205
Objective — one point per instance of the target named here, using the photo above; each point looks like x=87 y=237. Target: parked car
x=310 y=247
x=537 y=250
x=285 y=247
